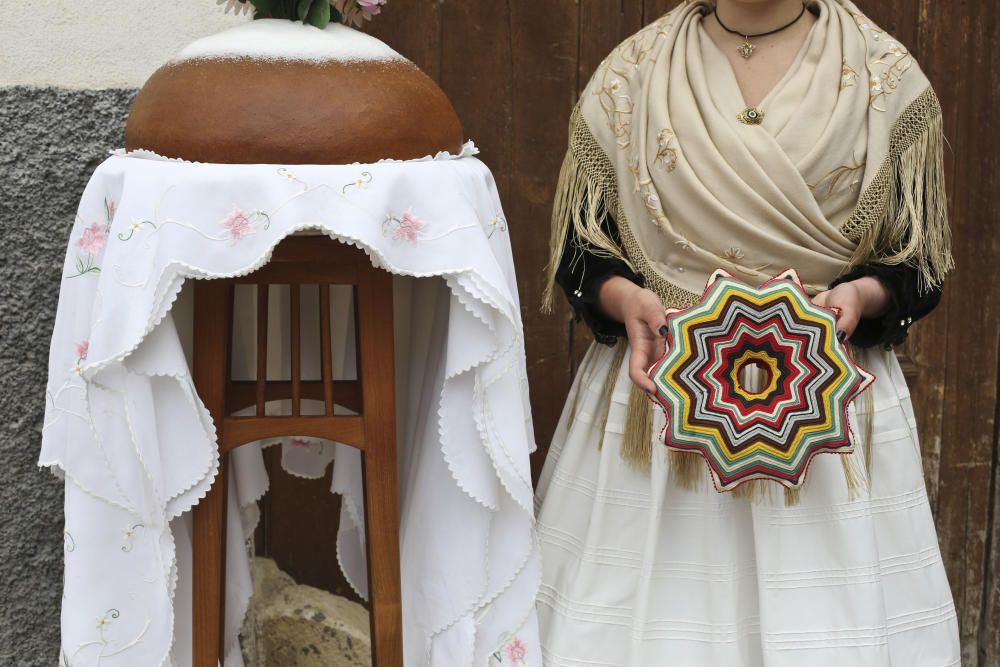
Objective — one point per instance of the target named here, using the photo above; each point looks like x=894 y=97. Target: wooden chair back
x=298 y=261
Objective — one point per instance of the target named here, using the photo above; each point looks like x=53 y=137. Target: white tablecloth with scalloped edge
x=136 y=447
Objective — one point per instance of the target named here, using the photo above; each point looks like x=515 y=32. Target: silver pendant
x=746 y=49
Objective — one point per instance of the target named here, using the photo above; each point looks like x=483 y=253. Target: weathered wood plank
x=413 y=28
x=603 y=26
x=544 y=53
x=976 y=353
x=989 y=627
x=476 y=75
x=956 y=39
x=987 y=212
x=654 y=9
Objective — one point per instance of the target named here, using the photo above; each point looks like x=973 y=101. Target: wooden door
x=514 y=69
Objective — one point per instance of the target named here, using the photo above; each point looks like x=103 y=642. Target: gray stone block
x=302 y=625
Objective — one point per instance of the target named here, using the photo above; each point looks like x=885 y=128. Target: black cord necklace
x=746 y=49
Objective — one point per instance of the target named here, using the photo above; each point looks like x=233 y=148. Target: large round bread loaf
x=275 y=91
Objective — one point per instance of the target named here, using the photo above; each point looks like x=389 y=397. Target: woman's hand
x=645 y=322
x=864 y=297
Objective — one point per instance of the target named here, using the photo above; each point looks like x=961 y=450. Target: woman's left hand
x=864 y=297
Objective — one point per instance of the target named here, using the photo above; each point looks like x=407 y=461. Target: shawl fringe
x=580 y=199
x=902 y=216
x=686 y=468
x=637 y=445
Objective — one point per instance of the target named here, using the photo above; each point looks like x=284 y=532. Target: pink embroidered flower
x=94 y=238
x=299 y=442
x=81 y=349
x=238 y=225
x=110 y=207
x=516 y=650
x=408 y=227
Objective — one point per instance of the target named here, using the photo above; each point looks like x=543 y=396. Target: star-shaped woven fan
x=796 y=409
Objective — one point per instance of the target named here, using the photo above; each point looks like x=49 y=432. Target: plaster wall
x=95 y=44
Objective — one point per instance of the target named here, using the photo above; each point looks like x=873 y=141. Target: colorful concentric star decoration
x=797 y=408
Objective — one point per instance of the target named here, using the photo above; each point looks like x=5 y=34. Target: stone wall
x=52 y=140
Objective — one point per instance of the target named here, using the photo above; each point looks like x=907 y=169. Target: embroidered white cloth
x=136 y=447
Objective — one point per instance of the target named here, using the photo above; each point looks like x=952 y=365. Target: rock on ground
x=303 y=626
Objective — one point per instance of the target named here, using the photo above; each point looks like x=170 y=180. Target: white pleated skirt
x=639 y=572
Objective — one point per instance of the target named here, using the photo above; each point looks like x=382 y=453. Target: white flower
x=238 y=6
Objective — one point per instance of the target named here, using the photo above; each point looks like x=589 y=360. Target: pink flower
x=94 y=238
x=82 y=348
x=515 y=650
x=238 y=225
x=109 y=208
x=371 y=6
x=357 y=11
x=298 y=442
x=408 y=227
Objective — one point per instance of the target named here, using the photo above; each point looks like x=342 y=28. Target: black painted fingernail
x=842 y=336
x=663 y=330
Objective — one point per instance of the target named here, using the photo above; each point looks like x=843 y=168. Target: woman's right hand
x=645 y=322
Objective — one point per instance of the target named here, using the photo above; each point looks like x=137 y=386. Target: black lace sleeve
x=580 y=275
x=907 y=304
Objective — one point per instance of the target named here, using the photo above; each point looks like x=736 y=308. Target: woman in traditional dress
x=755 y=136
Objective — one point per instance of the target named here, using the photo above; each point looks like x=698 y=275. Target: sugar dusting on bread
x=280 y=39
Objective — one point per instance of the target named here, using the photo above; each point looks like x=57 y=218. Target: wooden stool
x=311 y=260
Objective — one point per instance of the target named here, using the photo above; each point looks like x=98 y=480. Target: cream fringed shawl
x=845 y=168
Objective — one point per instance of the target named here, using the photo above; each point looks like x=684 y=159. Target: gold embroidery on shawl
x=616 y=70
x=652 y=202
x=888 y=69
x=848 y=77
x=844 y=176
x=901 y=216
x=732 y=256
x=666 y=152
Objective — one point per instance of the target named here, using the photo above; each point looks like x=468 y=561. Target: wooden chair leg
x=382 y=540
x=213 y=313
x=375 y=339
x=209 y=586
